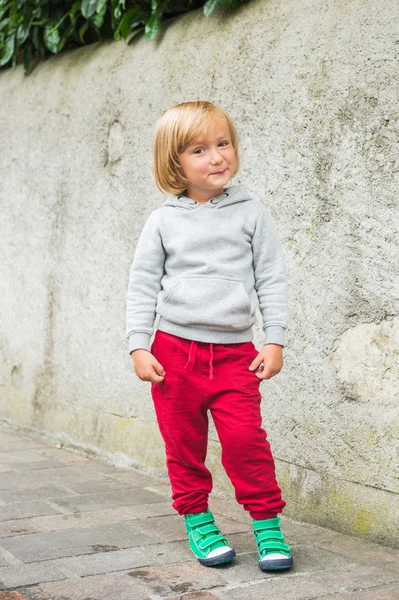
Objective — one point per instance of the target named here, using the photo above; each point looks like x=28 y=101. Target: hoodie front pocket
x=217 y=302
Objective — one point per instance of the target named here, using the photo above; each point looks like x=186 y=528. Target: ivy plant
x=33 y=29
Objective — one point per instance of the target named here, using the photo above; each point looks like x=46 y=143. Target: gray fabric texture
x=204 y=268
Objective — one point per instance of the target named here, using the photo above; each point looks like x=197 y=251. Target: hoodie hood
x=231 y=195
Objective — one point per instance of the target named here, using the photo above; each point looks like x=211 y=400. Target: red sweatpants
x=203 y=376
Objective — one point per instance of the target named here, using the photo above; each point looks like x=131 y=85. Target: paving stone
x=168 y=529
x=19 y=456
x=295 y=531
x=100 y=500
x=390 y=592
x=17 y=527
x=98 y=485
x=391 y=566
x=71 y=542
x=116 y=537
x=171 y=528
x=244 y=569
x=5 y=468
x=54 y=476
x=31 y=466
x=37 y=493
x=17 y=576
x=178 y=578
x=11 y=442
x=242 y=542
x=356 y=548
x=97 y=517
x=98 y=587
x=122 y=560
x=61 y=455
x=230 y=526
x=21 y=510
x=309 y=558
x=229 y=508
x=134 y=478
x=172 y=552
x=161 y=488
x=104 y=562
x=355 y=577
x=79 y=461
x=284 y=587
x=98 y=466
x=196 y=596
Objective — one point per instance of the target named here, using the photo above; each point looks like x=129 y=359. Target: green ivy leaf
x=7 y=50
x=51 y=37
x=4 y=23
x=97 y=20
x=152 y=25
x=75 y=8
x=82 y=31
x=22 y=33
x=67 y=33
x=89 y=7
x=27 y=56
x=101 y=6
x=130 y=19
x=4 y=9
x=115 y=10
x=210 y=6
x=35 y=37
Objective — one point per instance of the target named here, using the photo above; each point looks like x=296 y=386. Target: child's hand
x=146 y=366
x=271 y=356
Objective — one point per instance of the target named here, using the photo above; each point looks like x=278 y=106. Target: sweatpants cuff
x=192 y=510
x=263 y=515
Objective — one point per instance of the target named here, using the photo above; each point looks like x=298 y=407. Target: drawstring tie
x=211 y=364
x=192 y=354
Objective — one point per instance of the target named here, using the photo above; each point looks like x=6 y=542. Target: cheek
x=194 y=168
x=201 y=167
x=232 y=157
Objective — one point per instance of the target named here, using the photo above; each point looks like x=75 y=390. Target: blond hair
x=177 y=128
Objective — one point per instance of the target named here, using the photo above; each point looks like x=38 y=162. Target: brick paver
x=75 y=528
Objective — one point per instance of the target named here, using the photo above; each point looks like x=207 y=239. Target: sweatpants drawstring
x=192 y=354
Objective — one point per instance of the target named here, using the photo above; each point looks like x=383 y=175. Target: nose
x=216 y=157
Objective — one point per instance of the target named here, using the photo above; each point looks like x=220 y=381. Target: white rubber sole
x=275 y=562
x=218 y=556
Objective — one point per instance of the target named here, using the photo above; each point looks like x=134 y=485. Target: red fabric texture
x=202 y=377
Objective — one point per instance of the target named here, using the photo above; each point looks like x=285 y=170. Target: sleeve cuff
x=275 y=334
x=139 y=340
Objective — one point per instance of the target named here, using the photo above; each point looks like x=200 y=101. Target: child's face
x=209 y=162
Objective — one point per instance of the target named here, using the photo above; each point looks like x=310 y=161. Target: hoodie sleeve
x=270 y=278
x=144 y=285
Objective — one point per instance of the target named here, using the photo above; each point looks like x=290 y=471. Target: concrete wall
x=313 y=88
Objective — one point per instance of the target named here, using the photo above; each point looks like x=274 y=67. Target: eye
x=198 y=150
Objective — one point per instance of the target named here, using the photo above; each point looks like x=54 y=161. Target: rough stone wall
x=313 y=89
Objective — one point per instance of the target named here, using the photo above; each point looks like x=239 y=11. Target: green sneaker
x=206 y=540
x=274 y=555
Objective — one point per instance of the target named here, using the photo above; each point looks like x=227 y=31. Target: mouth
x=218 y=172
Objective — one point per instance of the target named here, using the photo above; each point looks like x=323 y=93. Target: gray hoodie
x=205 y=268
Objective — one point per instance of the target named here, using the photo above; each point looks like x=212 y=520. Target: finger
x=256 y=364
x=158 y=368
x=269 y=374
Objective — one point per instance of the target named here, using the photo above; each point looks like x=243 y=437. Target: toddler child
x=204 y=261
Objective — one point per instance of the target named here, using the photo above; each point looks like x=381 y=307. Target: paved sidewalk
x=76 y=528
